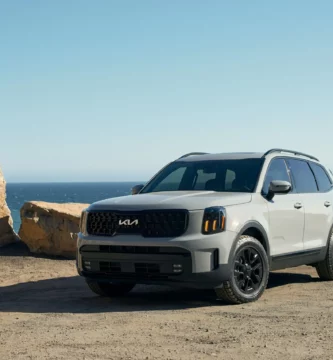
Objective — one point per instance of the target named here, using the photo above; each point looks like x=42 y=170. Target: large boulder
x=7 y=234
x=51 y=228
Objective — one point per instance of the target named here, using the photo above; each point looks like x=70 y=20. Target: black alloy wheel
x=248 y=270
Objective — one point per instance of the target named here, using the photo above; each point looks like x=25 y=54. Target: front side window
x=277 y=170
x=303 y=176
x=323 y=181
x=212 y=175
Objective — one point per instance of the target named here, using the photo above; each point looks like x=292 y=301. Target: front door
x=286 y=213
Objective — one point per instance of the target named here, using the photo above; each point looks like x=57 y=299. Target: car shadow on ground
x=71 y=295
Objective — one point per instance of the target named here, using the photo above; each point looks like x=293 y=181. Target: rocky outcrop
x=7 y=234
x=51 y=228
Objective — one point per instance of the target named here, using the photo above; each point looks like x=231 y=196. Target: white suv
x=218 y=221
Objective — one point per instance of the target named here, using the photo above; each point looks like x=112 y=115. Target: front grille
x=160 y=223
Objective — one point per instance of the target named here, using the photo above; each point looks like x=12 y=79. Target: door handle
x=327 y=203
x=298 y=205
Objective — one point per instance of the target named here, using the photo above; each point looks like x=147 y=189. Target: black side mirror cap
x=136 y=189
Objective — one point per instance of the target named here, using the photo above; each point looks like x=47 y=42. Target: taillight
x=213 y=220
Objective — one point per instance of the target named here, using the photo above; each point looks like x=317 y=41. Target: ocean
x=18 y=194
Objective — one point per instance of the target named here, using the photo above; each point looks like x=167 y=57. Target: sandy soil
x=47 y=312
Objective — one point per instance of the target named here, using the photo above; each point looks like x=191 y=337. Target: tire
x=250 y=272
x=108 y=289
x=325 y=267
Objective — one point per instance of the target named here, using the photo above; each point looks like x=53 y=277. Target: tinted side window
x=303 y=176
x=323 y=181
x=277 y=170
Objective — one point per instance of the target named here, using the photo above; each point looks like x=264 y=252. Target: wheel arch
x=256 y=230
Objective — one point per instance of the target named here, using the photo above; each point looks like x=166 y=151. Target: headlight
x=214 y=220
x=83 y=222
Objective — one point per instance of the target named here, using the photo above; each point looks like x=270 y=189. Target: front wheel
x=108 y=289
x=250 y=272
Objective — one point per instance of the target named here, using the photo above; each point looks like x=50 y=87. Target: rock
x=7 y=234
x=51 y=228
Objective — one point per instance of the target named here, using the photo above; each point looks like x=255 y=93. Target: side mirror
x=136 y=189
x=278 y=187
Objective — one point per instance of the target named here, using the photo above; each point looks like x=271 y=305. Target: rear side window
x=303 y=176
x=323 y=181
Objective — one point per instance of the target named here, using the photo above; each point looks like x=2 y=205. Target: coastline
x=62 y=192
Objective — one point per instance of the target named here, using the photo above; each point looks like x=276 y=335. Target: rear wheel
x=325 y=267
x=250 y=271
x=108 y=289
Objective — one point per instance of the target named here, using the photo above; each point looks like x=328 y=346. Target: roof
x=222 y=156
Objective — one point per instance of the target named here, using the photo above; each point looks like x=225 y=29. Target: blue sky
x=113 y=90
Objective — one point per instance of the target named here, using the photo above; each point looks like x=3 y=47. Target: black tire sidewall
x=254 y=243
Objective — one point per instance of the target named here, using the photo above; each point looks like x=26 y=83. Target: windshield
x=216 y=175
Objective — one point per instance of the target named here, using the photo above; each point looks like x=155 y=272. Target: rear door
x=322 y=208
x=286 y=213
x=314 y=187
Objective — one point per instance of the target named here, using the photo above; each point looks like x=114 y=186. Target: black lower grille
x=143 y=268
x=129 y=249
x=159 y=223
x=106 y=266
x=139 y=268
x=117 y=249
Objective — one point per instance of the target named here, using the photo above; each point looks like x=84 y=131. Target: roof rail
x=291 y=152
x=192 y=153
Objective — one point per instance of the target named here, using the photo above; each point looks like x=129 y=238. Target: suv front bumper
x=200 y=261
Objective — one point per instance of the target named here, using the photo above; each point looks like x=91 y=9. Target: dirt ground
x=47 y=312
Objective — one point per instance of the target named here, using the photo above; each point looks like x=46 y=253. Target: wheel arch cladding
x=253 y=229
x=329 y=237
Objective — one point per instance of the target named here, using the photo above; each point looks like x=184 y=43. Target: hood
x=190 y=200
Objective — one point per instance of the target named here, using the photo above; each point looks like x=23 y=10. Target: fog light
x=177 y=268
x=87 y=265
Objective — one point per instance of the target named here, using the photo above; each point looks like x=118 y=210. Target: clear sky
x=112 y=90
